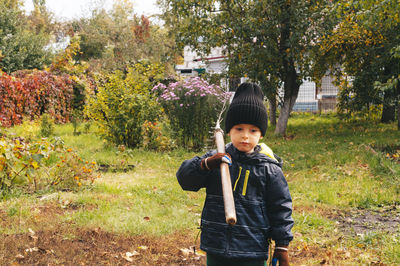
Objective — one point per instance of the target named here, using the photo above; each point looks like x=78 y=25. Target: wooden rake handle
x=229 y=203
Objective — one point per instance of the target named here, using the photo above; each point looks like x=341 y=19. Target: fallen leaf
x=185 y=252
x=127 y=258
x=31 y=249
x=65 y=204
x=19 y=256
x=128 y=255
x=31 y=231
x=131 y=254
x=201 y=253
x=143 y=247
x=32 y=234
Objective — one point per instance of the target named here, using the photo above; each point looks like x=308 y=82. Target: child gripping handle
x=259 y=189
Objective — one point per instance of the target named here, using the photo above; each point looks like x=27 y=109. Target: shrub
x=47 y=93
x=42 y=164
x=120 y=110
x=71 y=172
x=156 y=137
x=31 y=94
x=192 y=106
x=46 y=126
x=11 y=100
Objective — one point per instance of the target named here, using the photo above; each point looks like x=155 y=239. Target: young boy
x=262 y=199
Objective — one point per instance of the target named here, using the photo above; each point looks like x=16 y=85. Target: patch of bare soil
x=363 y=221
x=58 y=244
x=96 y=247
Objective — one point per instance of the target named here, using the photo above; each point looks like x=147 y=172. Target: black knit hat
x=247 y=107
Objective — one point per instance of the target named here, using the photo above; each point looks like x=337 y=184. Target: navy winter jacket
x=262 y=201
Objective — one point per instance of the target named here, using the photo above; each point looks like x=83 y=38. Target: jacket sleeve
x=190 y=175
x=279 y=206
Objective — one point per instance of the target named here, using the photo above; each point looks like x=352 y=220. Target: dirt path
x=95 y=247
x=69 y=245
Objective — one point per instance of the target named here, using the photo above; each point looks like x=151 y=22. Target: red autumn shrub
x=32 y=93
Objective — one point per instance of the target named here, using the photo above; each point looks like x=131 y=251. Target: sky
x=68 y=9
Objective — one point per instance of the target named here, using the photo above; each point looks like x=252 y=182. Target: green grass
x=327 y=163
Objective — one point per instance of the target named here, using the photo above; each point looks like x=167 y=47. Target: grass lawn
x=346 y=196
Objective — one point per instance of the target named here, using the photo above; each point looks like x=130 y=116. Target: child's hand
x=214 y=161
x=281 y=254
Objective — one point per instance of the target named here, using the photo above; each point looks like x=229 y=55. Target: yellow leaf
x=35 y=164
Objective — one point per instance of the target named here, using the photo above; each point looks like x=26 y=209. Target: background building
x=310 y=99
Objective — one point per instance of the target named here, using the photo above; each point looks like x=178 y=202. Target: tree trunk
x=288 y=72
x=398 y=116
x=284 y=115
x=272 y=110
x=291 y=90
x=388 y=113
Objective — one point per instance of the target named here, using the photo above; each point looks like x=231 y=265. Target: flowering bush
x=154 y=138
x=192 y=105
x=41 y=164
x=70 y=171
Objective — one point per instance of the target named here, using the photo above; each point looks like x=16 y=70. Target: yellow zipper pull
x=237 y=179
x=246 y=179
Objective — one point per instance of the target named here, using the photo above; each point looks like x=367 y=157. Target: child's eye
x=239 y=129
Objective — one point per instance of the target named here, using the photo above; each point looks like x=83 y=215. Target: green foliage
x=70 y=171
x=39 y=165
x=20 y=47
x=157 y=137
x=46 y=126
x=115 y=39
x=121 y=107
x=143 y=76
x=76 y=119
x=362 y=45
x=82 y=79
x=269 y=42
x=193 y=107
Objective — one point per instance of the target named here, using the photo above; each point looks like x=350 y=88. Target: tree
x=21 y=48
x=392 y=85
x=269 y=41
x=361 y=46
x=116 y=39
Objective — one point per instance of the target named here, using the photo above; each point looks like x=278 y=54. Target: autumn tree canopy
x=363 y=47
x=119 y=38
x=268 y=41
x=21 y=47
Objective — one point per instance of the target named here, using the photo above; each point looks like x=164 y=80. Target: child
x=262 y=199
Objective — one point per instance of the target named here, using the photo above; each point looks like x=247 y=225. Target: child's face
x=245 y=137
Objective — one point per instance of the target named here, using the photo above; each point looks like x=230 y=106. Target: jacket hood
x=262 y=153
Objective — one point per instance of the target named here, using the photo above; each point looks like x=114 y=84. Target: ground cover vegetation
x=343 y=178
